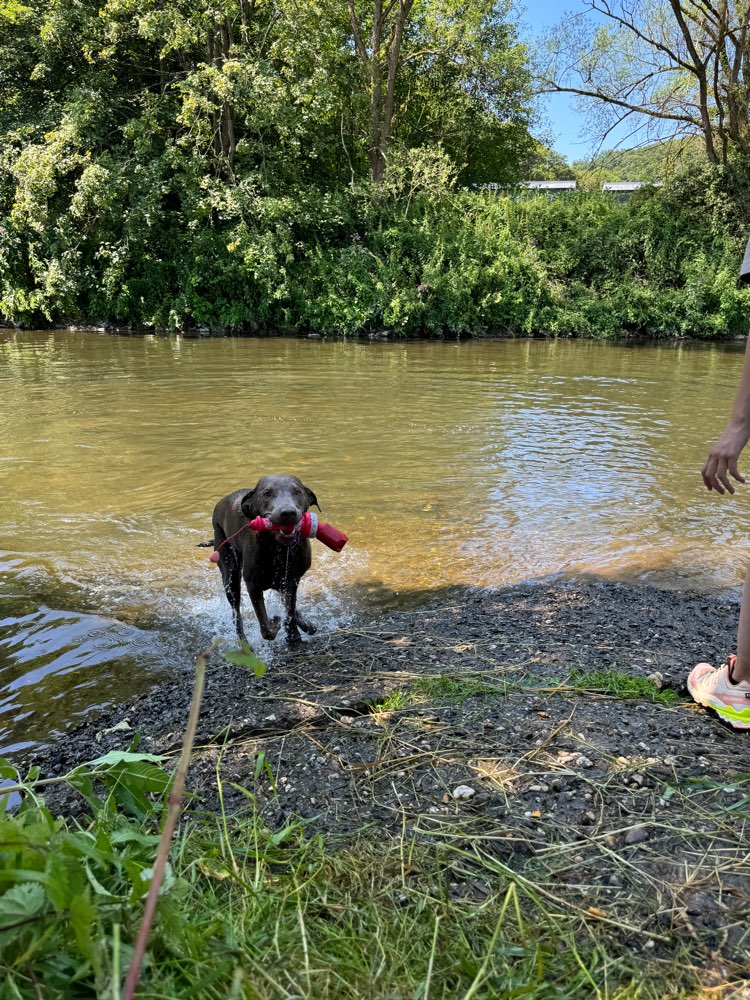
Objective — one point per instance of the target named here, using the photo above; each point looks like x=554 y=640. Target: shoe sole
x=736 y=717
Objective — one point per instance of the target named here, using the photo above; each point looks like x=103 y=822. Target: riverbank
x=344 y=263
x=542 y=733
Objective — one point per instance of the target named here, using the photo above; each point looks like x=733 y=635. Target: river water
x=481 y=464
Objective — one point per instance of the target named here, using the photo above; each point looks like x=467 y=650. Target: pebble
x=636 y=836
x=464 y=792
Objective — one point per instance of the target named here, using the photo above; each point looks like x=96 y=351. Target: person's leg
x=741 y=670
x=727 y=690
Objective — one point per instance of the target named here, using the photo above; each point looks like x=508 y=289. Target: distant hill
x=658 y=162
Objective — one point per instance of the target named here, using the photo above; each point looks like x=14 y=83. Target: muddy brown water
x=449 y=465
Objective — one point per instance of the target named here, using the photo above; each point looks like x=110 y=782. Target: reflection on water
x=447 y=464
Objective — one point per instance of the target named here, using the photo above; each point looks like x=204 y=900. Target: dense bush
x=206 y=165
x=663 y=264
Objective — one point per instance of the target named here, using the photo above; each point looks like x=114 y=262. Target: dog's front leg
x=291 y=624
x=268 y=629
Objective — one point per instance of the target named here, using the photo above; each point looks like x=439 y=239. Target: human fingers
x=709 y=474
x=722 y=476
x=734 y=471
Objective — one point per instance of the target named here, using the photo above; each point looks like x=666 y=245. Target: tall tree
x=671 y=67
x=380 y=55
x=441 y=72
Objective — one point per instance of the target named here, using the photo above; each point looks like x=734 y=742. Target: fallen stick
x=174 y=808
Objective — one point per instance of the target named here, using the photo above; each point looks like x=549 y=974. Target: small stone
x=657 y=679
x=538 y=788
x=269 y=718
x=589 y=818
x=670 y=761
x=636 y=836
x=650 y=943
x=637 y=780
x=615 y=881
x=585 y=761
x=464 y=792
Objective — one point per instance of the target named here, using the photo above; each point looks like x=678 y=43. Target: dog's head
x=282 y=499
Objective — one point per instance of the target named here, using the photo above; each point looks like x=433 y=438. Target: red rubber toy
x=309 y=527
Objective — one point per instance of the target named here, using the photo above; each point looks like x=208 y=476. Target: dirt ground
x=630 y=810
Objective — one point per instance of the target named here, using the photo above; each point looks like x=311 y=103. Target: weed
x=454 y=690
x=621 y=685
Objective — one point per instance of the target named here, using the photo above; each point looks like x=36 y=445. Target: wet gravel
x=455 y=721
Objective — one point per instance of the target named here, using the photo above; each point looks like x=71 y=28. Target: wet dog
x=269 y=560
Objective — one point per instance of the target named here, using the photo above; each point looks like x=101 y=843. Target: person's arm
x=722 y=461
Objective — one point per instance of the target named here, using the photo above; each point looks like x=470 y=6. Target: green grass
x=623 y=686
x=454 y=690
x=393 y=702
x=247 y=912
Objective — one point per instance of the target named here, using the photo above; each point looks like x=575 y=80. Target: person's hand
x=722 y=461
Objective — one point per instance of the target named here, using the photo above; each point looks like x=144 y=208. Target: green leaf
x=245 y=657
x=132 y=782
x=82 y=915
x=65 y=879
x=21 y=903
x=7 y=771
x=120 y=757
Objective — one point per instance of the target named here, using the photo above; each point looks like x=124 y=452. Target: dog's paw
x=273 y=628
x=305 y=625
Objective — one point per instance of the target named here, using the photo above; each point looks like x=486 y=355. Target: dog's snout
x=288 y=514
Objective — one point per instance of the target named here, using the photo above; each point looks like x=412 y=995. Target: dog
x=267 y=560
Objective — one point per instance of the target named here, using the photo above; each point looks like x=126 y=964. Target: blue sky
x=562 y=119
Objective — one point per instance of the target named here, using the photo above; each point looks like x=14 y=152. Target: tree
x=442 y=72
x=671 y=67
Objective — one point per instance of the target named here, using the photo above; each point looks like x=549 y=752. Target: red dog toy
x=309 y=527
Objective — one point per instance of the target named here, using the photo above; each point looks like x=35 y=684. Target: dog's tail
x=205 y=545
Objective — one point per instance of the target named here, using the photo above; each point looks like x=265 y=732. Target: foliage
x=623 y=686
x=655 y=163
x=202 y=165
x=663 y=68
x=249 y=911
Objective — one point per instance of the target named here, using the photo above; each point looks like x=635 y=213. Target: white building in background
x=549 y=185
x=628 y=187
x=621 y=189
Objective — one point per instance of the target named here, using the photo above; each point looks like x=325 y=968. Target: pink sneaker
x=715 y=689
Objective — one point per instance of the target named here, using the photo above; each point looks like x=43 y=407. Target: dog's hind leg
x=231 y=576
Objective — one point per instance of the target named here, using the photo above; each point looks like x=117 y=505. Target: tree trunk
x=386 y=38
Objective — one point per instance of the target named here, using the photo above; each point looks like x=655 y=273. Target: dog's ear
x=311 y=498
x=248 y=505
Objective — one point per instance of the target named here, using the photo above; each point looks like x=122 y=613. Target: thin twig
x=174 y=809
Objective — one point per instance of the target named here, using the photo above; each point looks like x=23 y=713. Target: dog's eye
x=266 y=494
